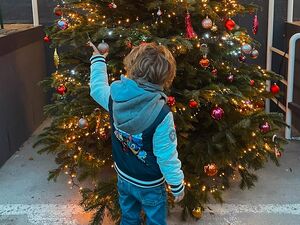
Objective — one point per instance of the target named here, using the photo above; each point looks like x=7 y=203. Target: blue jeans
x=133 y=199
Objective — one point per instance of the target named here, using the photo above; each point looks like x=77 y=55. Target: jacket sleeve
x=165 y=149
x=100 y=89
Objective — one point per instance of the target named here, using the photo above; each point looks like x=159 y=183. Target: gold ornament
x=197 y=212
x=56 y=59
x=214 y=28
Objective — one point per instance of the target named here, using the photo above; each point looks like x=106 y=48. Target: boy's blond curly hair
x=151 y=62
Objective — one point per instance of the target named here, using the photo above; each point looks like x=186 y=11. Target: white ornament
x=207 y=23
x=254 y=54
x=159 y=12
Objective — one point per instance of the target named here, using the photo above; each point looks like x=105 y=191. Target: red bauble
x=193 y=104
x=211 y=169
x=171 y=101
x=217 y=113
x=57 y=11
x=47 y=39
x=204 y=62
x=61 y=89
x=275 y=89
x=252 y=82
x=230 y=24
x=242 y=58
x=265 y=127
x=277 y=152
x=214 y=72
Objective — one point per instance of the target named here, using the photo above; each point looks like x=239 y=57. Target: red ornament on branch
x=275 y=89
x=214 y=72
x=252 y=82
x=171 y=101
x=190 y=33
x=61 y=89
x=193 y=104
x=230 y=24
x=204 y=62
x=47 y=39
x=265 y=127
x=255 y=25
x=58 y=11
x=211 y=169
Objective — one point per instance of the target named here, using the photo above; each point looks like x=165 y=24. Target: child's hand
x=96 y=51
x=179 y=197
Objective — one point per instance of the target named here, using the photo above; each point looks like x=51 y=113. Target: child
x=143 y=135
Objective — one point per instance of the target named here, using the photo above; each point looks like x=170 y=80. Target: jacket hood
x=136 y=104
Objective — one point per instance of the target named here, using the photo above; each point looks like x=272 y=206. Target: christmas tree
x=217 y=97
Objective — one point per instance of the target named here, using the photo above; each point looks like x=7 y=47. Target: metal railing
x=291 y=65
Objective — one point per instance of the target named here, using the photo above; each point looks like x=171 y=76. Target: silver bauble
x=103 y=47
x=83 y=123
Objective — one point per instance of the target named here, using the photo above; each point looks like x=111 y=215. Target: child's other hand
x=179 y=197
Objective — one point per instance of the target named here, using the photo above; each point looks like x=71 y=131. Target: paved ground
x=27 y=198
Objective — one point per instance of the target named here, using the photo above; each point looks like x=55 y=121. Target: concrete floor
x=27 y=198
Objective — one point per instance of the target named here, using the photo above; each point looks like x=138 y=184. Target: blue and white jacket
x=148 y=158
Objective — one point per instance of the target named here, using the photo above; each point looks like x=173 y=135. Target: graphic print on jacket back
x=133 y=143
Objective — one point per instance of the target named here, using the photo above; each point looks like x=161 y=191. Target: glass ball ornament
x=61 y=89
x=171 y=101
x=204 y=62
x=47 y=39
x=242 y=58
x=230 y=24
x=83 y=123
x=246 y=48
x=207 y=23
x=217 y=113
x=275 y=89
x=252 y=82
x=254 y=54
x=58 y=11
x=193 y=104
x=103 y=47
x=265 y=127
x=63 y=24
x=197 y=213
x=214 y=72
x=211 y=169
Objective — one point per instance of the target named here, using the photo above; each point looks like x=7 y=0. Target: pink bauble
x=217 y=113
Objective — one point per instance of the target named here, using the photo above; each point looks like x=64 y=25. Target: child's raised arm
x=100 y=89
